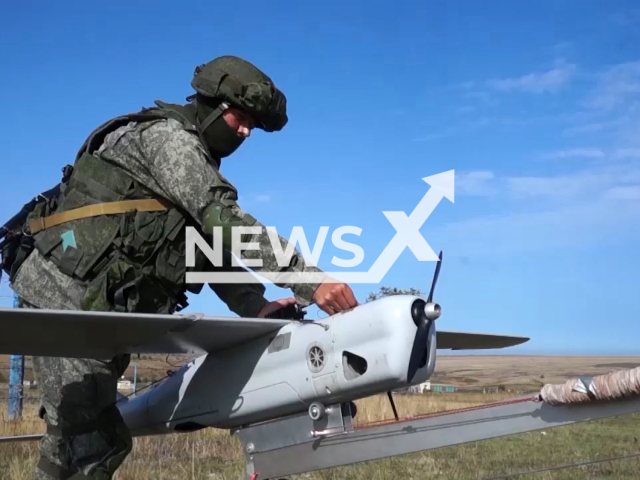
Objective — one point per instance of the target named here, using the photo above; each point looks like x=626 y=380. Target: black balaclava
x=220 y=138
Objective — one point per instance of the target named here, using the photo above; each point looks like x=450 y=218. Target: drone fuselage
x=348 y=356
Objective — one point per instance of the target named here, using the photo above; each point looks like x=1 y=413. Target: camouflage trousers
x=86 y=435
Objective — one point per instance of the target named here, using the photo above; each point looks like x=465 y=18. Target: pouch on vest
x=77 y=246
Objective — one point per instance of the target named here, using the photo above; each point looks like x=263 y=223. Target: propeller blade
x=435 y=278
x=419 y=347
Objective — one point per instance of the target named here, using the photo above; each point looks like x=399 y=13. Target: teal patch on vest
x=68 y=240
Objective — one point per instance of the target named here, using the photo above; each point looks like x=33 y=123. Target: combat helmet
x=239 y=83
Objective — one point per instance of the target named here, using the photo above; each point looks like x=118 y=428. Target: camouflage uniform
x=85 y=431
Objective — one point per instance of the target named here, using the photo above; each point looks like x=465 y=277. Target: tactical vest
x=132 y=261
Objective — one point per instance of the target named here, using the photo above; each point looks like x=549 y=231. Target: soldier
x=142 y=179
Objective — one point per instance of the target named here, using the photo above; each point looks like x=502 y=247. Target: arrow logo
x=408 y=228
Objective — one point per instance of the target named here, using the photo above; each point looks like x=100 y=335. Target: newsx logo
x=407 y=235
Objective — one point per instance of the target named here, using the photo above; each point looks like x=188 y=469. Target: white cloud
x=598 y=205
x=612 y=104
x=575 y=153
x=475 y=183
x=550 y=81
x=560 y=186
x=616 y=87
x=589 y=182
x=595 y=207
x=593 y=127
x=597 y=222
x=631 y=192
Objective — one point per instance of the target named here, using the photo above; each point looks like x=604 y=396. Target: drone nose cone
x=432 y=311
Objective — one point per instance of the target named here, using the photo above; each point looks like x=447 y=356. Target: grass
x=523 y=371
x=212 y=455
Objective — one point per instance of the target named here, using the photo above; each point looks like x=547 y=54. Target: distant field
x=150 y=367
x=522 y=371
x=513 y=371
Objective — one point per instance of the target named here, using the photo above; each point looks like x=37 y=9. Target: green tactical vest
x=130 y=262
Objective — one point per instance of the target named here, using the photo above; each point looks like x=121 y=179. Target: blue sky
x=536 y=107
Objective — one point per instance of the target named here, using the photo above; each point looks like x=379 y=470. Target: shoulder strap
x=96 y=138
x=182 y=113
x=186 y=114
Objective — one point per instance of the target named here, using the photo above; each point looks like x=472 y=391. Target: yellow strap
x=111 y=208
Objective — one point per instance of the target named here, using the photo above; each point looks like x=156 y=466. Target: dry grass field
x=213 y=455
x=522 y=371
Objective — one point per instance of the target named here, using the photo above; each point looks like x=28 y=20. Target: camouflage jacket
x=170 y=161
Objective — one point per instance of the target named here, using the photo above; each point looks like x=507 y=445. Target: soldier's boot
x=90 y=451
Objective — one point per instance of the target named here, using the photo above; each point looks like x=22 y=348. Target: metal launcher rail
x=298 y=444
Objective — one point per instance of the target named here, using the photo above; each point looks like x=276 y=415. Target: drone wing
x=84 y=334
x=475 y=341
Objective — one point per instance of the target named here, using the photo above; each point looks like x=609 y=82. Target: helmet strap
x=213 y=116
x=219 y=138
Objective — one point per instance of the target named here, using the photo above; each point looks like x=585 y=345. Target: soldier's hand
x=275 y=305
x=333 y=297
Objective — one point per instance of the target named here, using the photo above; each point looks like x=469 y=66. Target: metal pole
x=135 y=378
x=16 y=379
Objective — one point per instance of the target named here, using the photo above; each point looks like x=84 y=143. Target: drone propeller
x=423 y=316
x=435 y=278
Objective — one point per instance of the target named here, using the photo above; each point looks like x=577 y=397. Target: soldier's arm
x=245 y=300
